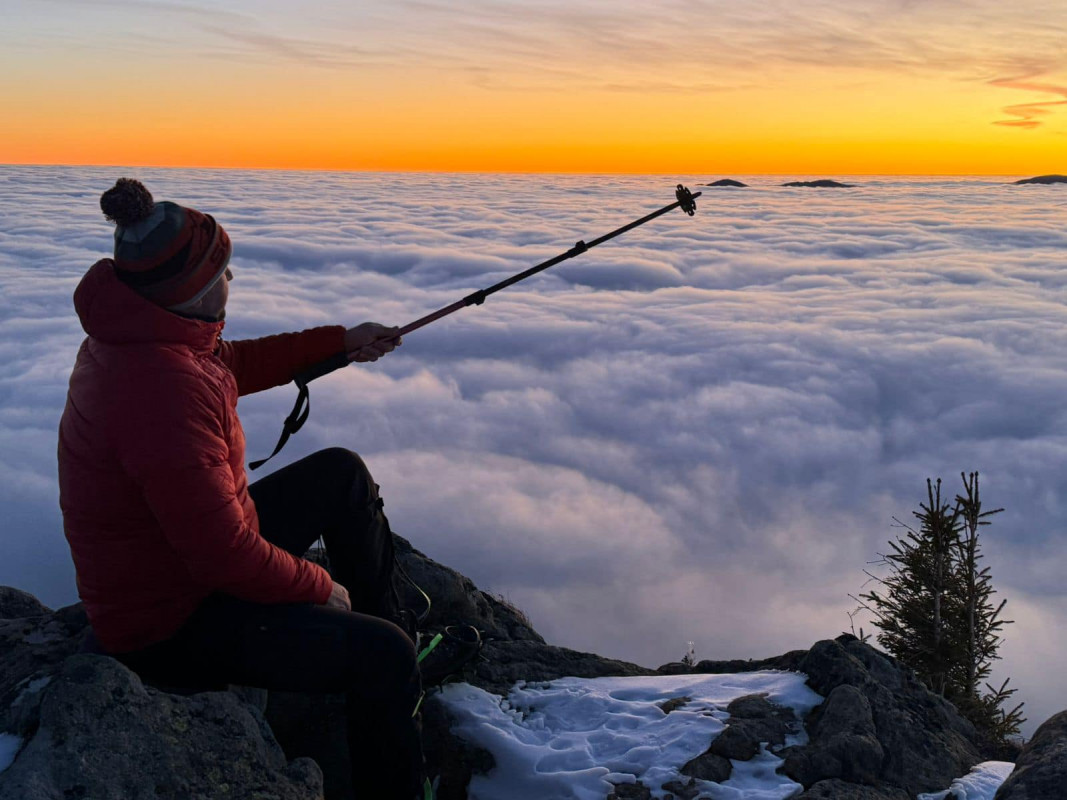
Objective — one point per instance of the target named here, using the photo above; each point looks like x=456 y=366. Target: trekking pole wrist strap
x=302 y=408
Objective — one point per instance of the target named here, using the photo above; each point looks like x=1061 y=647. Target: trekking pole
x=686 y=200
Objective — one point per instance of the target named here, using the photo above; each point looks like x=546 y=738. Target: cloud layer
x=699 y=431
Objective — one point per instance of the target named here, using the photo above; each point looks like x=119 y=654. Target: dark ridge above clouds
x=727 y=182
x=825 y=183
x=1045 y=179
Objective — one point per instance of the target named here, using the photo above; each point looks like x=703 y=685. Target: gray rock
x=15 y=603
x=757 y=707
x=1041 y=770
x=505 y=662
x=103 y=735
x=31 y=650
x=631 y=791
x=1044 y=179
x=682 y=791
x=924 y=740
x=456 y=600
x=753 y=720
x=843 y=742
x=845 y=711
x=667 y=706
x=252 y=695
x=835 y=789
x=314 y=726
x=708 y=767
x=675 y=668
x=789 y=661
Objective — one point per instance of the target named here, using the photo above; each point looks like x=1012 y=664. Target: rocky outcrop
x=15 y=604
x=753 y=721
x=835 y=789
x=821 y=184
x=32 y=648
x=879 y=735
x=87 y=727
x=728 y=182
x=1041 y=768
x=1043 y=179
x=924 y=741
x=102 y=734
x=457 y=599
x=843 y=742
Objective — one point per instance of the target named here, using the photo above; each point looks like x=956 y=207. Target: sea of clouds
x=700 y=431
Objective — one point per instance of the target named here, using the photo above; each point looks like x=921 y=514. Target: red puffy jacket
x=151 y=464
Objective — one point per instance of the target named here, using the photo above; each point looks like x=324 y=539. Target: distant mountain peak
x=821 y=184
x=1044 y=179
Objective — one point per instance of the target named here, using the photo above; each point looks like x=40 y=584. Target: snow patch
x=981 y=783
x=9 y=748
x=577 y=737
x=32 y=687
x=756 y=779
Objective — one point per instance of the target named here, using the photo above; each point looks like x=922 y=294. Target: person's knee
x=341 y=461
x=400 y=646
x=348 y=469
x=395 y=661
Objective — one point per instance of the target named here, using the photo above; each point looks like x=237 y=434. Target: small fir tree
x=936 y=612
x=981 y=620
x=921 y=595
x=980 y=626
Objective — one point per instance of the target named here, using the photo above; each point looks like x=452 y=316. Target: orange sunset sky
x=807 y=86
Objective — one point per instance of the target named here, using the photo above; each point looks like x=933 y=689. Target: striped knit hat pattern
x=170 y=254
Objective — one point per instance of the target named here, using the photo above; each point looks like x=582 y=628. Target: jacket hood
x=113 y=313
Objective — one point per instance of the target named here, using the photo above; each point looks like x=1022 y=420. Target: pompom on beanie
x=170 y=254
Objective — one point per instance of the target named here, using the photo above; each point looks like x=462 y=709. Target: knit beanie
x=170 y=254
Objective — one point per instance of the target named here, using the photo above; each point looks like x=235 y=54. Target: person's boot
x=448 y=653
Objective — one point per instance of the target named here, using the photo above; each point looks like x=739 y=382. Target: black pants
x=310 y=648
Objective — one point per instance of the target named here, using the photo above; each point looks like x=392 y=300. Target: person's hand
x=339 y=598
x=370 y=341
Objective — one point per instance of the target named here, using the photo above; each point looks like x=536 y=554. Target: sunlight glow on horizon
x=597 y=87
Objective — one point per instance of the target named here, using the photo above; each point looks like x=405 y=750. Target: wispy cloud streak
x=685 y=45
x=1029 y=115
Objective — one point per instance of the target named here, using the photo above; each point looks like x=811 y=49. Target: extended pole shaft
x=686 y=200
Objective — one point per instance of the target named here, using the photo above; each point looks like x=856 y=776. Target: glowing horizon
x=825 y=87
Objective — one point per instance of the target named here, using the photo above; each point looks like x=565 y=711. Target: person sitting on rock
x=189 y=574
